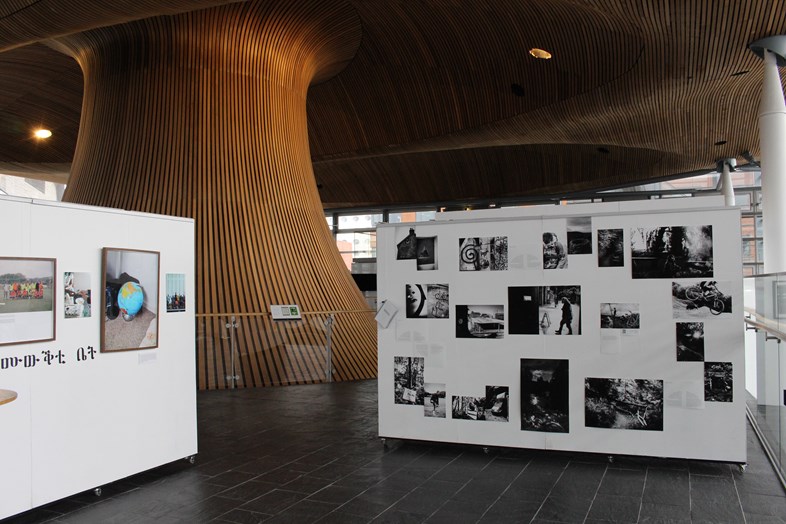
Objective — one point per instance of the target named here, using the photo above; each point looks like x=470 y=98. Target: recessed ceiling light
x=42 y=133
x=740 y=73
x=540 y=53
x=720 y=142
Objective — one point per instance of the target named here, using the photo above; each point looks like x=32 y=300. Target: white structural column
x=727 y=188
x=772 y=133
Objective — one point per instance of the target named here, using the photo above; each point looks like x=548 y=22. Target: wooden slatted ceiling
x=203 y=115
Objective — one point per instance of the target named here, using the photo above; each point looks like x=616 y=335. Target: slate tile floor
x=305 y=454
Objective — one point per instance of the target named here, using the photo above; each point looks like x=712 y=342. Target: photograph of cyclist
x=700 y=299
x=615 y=315
x=671 y=252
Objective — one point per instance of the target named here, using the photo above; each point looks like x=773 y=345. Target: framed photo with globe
x=130 y=306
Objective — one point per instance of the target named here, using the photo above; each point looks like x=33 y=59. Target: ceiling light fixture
x=42 y=133
x=720 y=142
x=540 y=53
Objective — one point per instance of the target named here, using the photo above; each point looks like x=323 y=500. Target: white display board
x=655 y=363
x=83 y=418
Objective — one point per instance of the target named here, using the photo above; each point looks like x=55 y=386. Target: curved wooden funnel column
x=203 y=115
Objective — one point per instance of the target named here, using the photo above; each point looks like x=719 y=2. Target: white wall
x=712 y=430
x=77 y=424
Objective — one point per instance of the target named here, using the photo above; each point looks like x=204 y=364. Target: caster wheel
x=191 y=459
x=611 y=459
x=743 y=467
x=486 y=450
x=97 y=492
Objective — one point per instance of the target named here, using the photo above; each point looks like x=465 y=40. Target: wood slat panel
x=203 y=115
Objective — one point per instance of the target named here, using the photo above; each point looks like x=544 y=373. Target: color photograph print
x=175 y=292
x=427 y=301
x=690 y=341
x=493 y=407
x=671 y=252
x=483 y=254
x=718 y=382
x=435 y=401
x=554 y=254
x=27 y=312
x=544 y=310
x=130 y=299
x=703 y=299
x=480 y=321
x=408 y=380
x=76 y=295
x=579 y=236
x=544 y=395
x=611 y=248
x=622 y=403
x=619 y=315
x=427 y=253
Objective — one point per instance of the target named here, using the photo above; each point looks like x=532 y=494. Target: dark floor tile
x=763 y=504
x=458 y=512
x=303 y=511
x=204 y=510
x=759 y=483
x=230 y=479
x=667 y=486
x=713 y=510
x=623 y=483
x=279 y=476
x=712 y=488
x=762 y=519
x=241 y=516
x=307 y=484
x=338 y=517
x=248 y=490
x=421 y=501
x=609 y=508
x=273 y=501
x=715 y=469
x=564 y=509
x=652 y=513
x=336 y=494
x=372 y=502
x=510 y=510
x=398 y=517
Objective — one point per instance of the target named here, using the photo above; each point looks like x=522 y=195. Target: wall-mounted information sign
x=285 y=311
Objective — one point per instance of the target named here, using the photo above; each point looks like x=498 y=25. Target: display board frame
x=82 y=418
x=627 y=367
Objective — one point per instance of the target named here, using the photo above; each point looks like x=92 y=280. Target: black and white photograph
x=544 y=310
x=611 y=248
x=703 y=299
x=718 y=382
x=554 y=254
x=671 y=252
x=77 y=295
x=480 y=321
x=619 y=315
x=483 y=254
x=427 y=301
x=435 y=401
x=406 y=249
x=579 y=235
x=408 y=380
x=493 y=407
x=623 y=403
x=690 y=341
x=544 y=395
x=427 y=253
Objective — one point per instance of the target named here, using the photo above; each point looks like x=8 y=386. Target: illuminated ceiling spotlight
x=42 y=133
x=540 y=53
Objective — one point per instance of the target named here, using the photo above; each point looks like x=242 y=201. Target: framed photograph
x=175 y=292
x=130 y=308
x=27 y=310
x=76 y=295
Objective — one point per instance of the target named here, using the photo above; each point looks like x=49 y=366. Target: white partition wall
x=651 y=291
x=82 y=418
